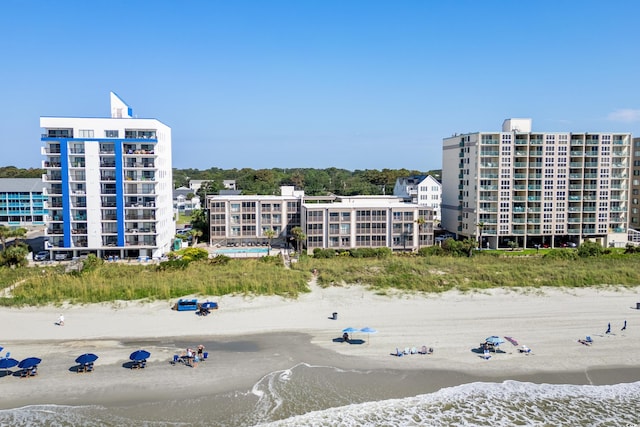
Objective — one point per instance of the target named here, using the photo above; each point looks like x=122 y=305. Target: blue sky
x=326 y=83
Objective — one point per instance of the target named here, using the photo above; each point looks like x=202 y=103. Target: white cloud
x=626 y=115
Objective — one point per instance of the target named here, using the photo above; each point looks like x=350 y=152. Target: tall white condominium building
x=109 y=182
x=533 y=188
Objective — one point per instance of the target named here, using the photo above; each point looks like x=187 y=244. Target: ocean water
x=324 y=396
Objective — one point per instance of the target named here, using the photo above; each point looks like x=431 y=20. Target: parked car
x=60 y=257
x=41 y=256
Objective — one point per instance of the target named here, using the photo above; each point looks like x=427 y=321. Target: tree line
x=314 y=182
x=14 y=172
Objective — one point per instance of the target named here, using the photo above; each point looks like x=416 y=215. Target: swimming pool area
x=242 y=252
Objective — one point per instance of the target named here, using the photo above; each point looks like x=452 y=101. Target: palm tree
x=194 y=236
x=480 y=228
x=5 y=233
x=420 y=221
x=299 y=235
x=269 y=234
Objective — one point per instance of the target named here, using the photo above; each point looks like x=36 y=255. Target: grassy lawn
x=183 y=219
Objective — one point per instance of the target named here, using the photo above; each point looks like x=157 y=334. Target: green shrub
x=431 y=251
x=589 y=249
x=173 y=264
x=193 y=254
x=91 y=262
x=324 y=253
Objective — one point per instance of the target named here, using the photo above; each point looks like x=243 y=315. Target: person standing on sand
x=608 y=328
x=624 y=328
x=61 y=320
x=200 y=352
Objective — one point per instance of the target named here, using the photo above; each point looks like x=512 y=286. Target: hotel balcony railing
x=79 y=231
x=139 y=217
x=67 y=133
x=53 y=231
x=109 y=217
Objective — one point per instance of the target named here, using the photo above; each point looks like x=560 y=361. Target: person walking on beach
x=624 y=328
x=61 y=320
x=608 y=328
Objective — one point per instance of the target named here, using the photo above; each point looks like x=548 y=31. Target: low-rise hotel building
x=330 y=222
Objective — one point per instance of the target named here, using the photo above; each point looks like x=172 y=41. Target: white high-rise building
x=109 y=182
x=526 y=188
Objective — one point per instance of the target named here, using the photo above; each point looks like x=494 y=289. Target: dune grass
x=438 y=274
x=113 y=282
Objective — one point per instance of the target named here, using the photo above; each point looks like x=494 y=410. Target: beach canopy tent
x=86 y=358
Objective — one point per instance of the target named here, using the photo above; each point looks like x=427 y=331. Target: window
x=111 y=133
x=85 y=133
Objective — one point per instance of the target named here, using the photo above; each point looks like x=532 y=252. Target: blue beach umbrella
x=29 y=362
x=139 y=355
x=350 y=330
x=495 y=340
x=86 y=358
x=7 y=363
x=367 y=330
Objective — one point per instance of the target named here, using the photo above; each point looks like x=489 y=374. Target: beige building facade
x=527 y=188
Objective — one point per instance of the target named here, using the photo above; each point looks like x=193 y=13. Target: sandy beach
x=250 y=337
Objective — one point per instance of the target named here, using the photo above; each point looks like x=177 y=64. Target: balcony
x=58 y=133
